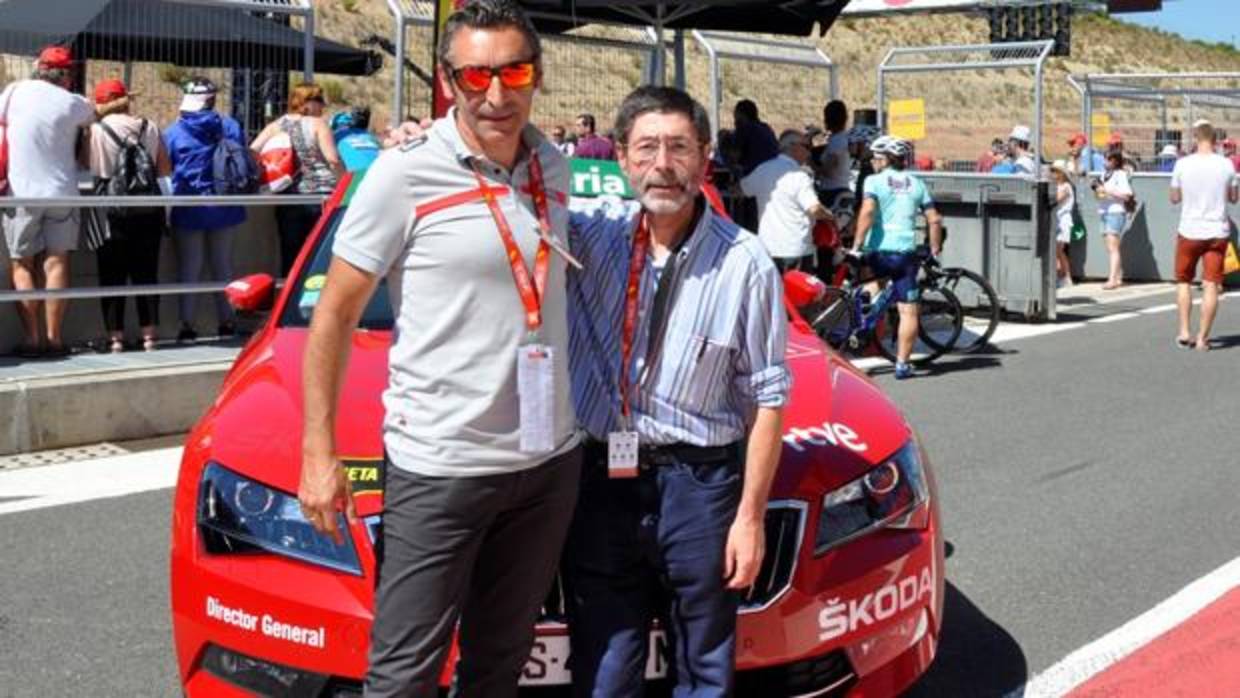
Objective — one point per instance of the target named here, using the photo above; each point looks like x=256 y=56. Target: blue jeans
x=647 y=547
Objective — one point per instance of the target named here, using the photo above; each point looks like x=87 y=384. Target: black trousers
x=479 y=549
x=131 y=255
x=294 y=224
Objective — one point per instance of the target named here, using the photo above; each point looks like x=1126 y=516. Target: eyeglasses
x=517 y=75
x=647 y=149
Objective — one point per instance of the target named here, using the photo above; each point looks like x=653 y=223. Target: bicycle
x=847 y=318
x=977 y=298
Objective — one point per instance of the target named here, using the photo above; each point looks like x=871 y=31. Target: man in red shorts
x=1202 y=184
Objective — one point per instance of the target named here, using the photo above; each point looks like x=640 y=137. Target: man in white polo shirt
x=479 y=427
x=787 y=203
x=1202 y=184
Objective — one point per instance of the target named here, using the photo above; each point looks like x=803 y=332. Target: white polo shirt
x=785 y=195
x=451 y=405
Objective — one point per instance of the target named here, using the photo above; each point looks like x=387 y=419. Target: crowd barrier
x=1148 y=246
x=255 y=249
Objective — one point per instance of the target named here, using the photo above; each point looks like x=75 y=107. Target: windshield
x=309 y=284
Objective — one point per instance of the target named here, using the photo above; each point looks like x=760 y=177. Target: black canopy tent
x=790 y=17
x=185 y=34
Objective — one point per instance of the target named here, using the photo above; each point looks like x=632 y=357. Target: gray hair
x=56 y=76
x=488 y=14
x=664 y=100
x=790 y=138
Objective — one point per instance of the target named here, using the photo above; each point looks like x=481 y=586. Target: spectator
x=589 y=144
x=1229 y=150
x=358 y=147
x=1113 y=192
x=1082 y=158
x=558 y=140
x=1115 y=144
x=318 y=166
x=1018 y=149
x=131 y=252
x=1167 y=157
x=992 y=157
x=787 y=203
x=200 y=233
x=1065 y=203
x=817 y=137
x=755 y=139
x=923 y=163
x=836 y=163
x=1202 y=184
x=44 y=120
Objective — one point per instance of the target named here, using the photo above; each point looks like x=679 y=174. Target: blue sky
x=1209 y=20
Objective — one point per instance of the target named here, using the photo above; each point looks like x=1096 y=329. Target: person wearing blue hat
x=357 y=145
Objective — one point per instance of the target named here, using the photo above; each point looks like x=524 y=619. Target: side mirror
x=801 y=288
x=250 y=294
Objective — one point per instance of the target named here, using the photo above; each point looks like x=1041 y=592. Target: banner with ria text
x=597 y=178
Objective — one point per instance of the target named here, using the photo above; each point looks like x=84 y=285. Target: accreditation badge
x=536 y=395
x=622 y=454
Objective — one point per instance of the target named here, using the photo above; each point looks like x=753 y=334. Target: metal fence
x=923 y=70
x=1153 y=110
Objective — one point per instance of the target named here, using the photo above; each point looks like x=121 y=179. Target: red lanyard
x=531 y=291
x=637 y=264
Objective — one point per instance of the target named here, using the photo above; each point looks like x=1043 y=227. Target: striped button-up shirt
x=722 y=355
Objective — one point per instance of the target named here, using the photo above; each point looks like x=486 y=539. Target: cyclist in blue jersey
x=886 y=235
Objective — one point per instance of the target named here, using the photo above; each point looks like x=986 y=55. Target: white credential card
x=536 y=393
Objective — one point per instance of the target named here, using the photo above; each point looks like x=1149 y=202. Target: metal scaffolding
x=719 y=45
x=937 y=59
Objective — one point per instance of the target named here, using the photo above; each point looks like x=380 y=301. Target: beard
x=662 y=194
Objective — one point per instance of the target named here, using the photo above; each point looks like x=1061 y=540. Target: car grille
x=828 y=675
x=784 y=529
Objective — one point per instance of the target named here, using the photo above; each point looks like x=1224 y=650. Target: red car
x=849 y=600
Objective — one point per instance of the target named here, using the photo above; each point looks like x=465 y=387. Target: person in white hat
x=1167 y=157
x=1065 y=202
x=1018 y=149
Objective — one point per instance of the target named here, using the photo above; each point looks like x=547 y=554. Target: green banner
x=598 y=177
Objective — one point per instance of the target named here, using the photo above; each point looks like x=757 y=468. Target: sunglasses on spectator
x=517 y=75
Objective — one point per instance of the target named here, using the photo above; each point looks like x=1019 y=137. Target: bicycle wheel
x=982 y=310
x=832 y=317
x=939 y=320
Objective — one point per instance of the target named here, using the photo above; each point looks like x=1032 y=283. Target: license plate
x=548 y=663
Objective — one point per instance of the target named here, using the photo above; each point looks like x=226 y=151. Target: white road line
x=1095 y=657
x=1155 y=309
x=102 y=478
x=1113 y=318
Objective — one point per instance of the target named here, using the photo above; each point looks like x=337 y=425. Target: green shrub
x=172 y=74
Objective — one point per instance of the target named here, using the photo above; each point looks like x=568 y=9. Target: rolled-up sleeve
x=762 y=374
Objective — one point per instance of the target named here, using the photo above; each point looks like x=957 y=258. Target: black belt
x=676 y=453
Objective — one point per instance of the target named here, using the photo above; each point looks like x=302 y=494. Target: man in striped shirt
x=677 y=336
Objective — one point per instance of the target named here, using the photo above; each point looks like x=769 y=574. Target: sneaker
x=187 y=335
x=903 y=370
x=226 y=330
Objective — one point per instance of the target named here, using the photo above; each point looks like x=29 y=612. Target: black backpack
x=134 y=173
x=233 y=170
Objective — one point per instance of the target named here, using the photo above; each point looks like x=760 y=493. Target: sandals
x=1183 y=343
x=116 y=346
x=148 y=343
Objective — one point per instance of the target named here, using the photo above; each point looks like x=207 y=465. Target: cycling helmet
x=862 y=135
x=890 y=145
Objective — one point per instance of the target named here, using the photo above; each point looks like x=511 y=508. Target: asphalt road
x=1085 y=475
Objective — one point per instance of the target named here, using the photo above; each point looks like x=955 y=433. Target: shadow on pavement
x=977 y=657
x=972 y=362
x=1225 y=342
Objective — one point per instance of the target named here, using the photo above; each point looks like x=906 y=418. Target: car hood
x=837 y=425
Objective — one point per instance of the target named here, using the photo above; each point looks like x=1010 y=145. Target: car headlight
x=237 y=515
x=889 y=496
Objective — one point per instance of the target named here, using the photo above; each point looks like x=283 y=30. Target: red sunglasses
x=517 y=75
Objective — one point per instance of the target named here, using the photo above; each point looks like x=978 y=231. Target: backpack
x=134 y=173
x=233 y=170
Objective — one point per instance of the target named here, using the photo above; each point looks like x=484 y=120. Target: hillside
x=964 y=109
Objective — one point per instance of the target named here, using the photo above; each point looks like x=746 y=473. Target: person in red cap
x=1081 y=158
x=1229 y=151
x=131 y=253
x=43 y=121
